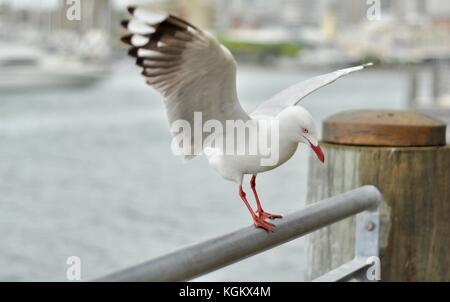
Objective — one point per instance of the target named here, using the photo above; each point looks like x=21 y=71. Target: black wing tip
x=133 y=52
x=131 y=9
x=126 y=39
x=125 y=23
x=140 y=62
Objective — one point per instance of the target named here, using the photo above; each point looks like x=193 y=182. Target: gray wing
x=189 y=67
x=295 y=93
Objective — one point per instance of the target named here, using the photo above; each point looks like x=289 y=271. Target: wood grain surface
x=384 y=128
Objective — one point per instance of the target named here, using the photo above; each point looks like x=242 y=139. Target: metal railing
x=199 y=259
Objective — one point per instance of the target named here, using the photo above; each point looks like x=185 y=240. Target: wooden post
x=405 y=156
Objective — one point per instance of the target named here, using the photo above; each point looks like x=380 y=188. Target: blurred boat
x=24 y=68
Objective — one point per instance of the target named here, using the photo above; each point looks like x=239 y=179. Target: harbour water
x=89 y=173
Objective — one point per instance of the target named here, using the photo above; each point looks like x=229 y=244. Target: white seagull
x=195 y=73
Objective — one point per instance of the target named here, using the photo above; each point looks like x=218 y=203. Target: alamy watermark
x=374 y=271
x=231 y=137
x=73 y=272
x=374 y=10
x=73 y=12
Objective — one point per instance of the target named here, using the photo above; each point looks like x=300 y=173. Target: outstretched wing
x=188 y=66
x=295 y=93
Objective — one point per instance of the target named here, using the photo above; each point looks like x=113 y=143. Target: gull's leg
x=260 y=210
x=257 y=220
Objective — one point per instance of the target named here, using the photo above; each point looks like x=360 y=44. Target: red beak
x=318 y=152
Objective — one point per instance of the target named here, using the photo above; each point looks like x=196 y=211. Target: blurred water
x=90 y=173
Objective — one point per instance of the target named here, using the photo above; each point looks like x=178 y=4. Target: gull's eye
x=305 y=130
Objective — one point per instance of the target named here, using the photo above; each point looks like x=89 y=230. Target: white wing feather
x=188 y=66
x=295 y=93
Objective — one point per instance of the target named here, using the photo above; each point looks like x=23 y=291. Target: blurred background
x=85 y=162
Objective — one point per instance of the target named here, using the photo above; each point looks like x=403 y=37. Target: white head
x=299 y=126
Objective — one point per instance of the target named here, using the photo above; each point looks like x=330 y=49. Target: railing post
x=404 y=155
x=365 y=265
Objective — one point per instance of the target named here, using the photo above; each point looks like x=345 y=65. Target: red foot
x=261 y=223
x=263 y=215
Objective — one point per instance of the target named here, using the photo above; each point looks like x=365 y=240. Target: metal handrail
x=210 y=255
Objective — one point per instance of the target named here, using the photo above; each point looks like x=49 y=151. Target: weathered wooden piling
x=405 y=156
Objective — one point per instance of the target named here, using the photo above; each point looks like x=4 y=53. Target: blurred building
x=300 y=12
x=407 y=29
x=246 y=13
x=198 y=12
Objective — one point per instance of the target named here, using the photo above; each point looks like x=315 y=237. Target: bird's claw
x=268 y=215
x=261 y=223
